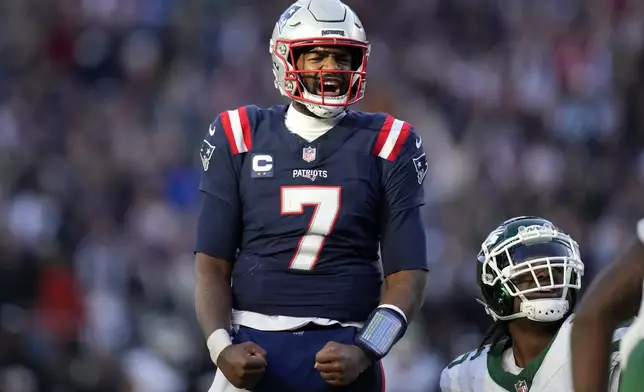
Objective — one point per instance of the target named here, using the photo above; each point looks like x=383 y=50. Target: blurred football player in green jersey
x=614 y=297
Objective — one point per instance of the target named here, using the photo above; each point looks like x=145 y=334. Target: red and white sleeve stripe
x=237 y=128
x=391 y=138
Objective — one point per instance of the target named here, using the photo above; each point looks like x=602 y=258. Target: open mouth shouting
x=331 y=87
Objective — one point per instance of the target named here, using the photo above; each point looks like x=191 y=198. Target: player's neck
x=529 y=339
x=307 y=127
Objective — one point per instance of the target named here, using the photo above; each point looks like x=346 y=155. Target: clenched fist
x=341 y=364
x=243 y=364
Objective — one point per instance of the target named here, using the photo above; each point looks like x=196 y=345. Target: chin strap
x=324 y=111
x=540 y=310
x=320 y=109
x=545 y=310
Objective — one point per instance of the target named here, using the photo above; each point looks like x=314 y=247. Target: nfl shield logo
x=521 y=386
x=308 y=154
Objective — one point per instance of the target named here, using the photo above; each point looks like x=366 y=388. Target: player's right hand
x=243 y=364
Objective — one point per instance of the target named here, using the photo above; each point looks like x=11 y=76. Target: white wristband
x=395 y=309
x=217 y=341
x=640 y=230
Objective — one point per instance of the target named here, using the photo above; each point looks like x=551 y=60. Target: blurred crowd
x=525 y=107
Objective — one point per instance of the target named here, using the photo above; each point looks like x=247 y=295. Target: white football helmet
x=529 y=258
x=311 y=23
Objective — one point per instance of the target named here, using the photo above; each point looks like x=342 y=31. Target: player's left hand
x=341 y=364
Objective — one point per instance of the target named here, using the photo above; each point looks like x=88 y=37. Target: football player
x=529 y=273
x=299 y=199
x=613 y=298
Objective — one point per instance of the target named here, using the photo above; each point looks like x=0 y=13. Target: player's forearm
x=590 y=362
x=213 y=295
x=615 y=295
x=405 y=290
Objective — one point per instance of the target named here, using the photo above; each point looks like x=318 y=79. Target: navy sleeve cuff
x=218 y=229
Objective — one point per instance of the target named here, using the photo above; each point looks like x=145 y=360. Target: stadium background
x=525 y=107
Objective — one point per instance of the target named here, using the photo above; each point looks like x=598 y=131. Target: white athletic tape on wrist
x=217 y=342
x=640 y=230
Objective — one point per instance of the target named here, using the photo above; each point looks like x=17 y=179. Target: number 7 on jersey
x=327 y=201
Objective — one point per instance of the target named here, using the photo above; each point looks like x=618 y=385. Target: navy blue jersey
x=311 y=215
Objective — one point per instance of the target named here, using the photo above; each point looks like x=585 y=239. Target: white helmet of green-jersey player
x=531 y=259
x=314 y=23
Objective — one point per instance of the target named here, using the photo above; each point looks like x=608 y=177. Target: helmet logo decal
x=287 y=15
x=545 y=229
x=493 y=237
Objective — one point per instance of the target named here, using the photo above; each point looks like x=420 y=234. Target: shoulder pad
x=238 y=127
x=392 y=136
x=468 y=365
x=470 y=356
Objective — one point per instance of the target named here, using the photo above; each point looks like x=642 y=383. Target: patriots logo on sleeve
x=420 y=164
x=206 y=153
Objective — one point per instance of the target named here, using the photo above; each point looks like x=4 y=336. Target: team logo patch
x=262 y=166
x=309 y=174
x=420 y=164
x=206 y=153
x=308 y=154
x=521 y=386
x=287 y=15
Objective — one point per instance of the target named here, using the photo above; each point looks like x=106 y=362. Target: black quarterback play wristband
x=381 y=331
